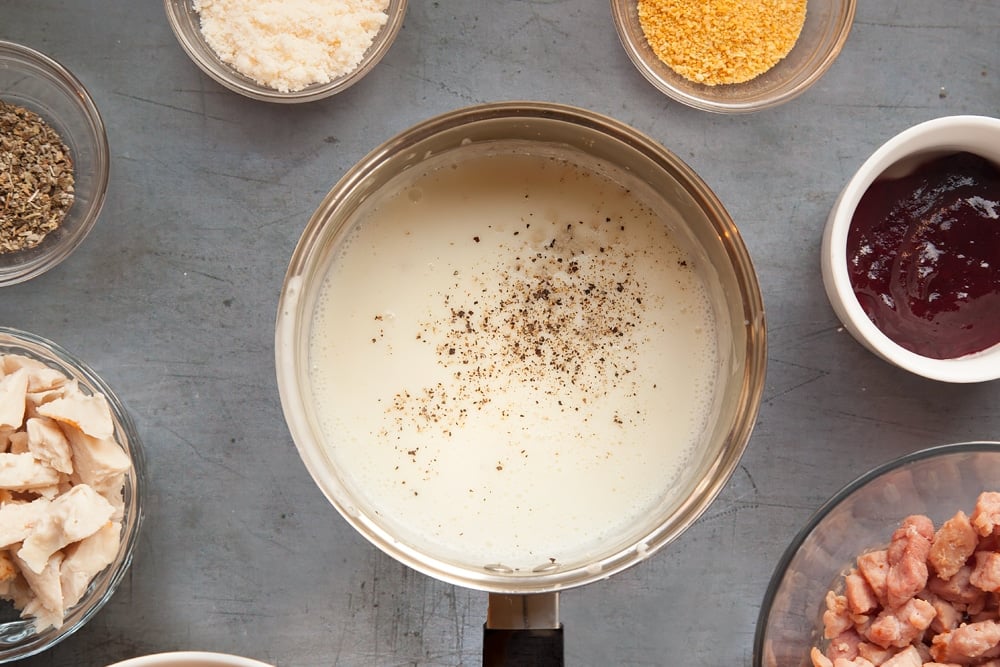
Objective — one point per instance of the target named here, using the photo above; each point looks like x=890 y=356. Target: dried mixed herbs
x=36 y=178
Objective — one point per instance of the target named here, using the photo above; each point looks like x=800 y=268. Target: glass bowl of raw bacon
x=901 y=568
x=70 y=493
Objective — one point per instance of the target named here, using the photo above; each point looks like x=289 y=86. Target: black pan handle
x=523 y=631
x=523 y=648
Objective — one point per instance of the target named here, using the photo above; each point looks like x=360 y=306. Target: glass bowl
x=827 y=25
x=186 y=24
x=38 y=83
x=898 y=156
x=18 y=638
x=936 y=482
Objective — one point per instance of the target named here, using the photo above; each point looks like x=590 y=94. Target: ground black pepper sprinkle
x=36 y=179
x=526 y=324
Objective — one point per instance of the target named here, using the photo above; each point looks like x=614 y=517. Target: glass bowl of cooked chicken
x=900 y=568
x=71 y=477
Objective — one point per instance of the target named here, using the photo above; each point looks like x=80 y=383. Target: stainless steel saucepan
x=523 y=615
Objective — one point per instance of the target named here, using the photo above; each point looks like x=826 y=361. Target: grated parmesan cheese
x=290 y=44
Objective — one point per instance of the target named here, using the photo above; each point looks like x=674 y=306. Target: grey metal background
x=172 y=300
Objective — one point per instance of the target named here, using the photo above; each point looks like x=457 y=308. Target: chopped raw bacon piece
x=874 y=567
x=836 y=618
x=931 y=598
x=860 y=596
x=907 y=554
x=908 y=657
x=952 y=545
x=818 y=659
x=901 y=626
x=965 y=644
x=986 y=571
x=986 y=516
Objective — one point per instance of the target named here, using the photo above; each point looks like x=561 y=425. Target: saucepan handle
x=523 y=630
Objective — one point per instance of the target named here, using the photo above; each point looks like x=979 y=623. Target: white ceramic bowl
x=190 y=659
x=976 y=134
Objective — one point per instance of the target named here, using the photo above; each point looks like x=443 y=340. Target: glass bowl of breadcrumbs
x=54 y=163
x=733 y=56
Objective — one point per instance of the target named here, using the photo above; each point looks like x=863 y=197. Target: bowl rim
x=847 y=490
x=924 y=137
x=134 y=511
x=85 y=104
x=228 y=77
x=621 y=9
x=180 y=658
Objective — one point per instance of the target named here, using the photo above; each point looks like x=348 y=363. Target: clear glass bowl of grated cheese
x=676 y=28
x=23 y=637
x=282 y=74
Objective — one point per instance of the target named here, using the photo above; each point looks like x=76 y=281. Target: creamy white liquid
x=512 y=361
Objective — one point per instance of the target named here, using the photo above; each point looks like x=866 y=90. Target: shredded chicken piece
x=23 y=472
x=13 y=387
x=73 y=516
x=91 y=414
x=8 y=570
x=85 y=559
x=17 y=519
x=96 y=460
x=40 y=376
x=44 y=582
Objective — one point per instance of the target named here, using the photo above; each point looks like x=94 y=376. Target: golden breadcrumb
x=721 y=41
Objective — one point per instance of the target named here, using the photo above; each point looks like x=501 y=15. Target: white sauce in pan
x=512 y=360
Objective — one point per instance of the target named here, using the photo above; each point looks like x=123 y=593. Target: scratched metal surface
x=172 y=299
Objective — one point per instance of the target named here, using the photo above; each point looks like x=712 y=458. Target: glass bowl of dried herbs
x=54 y=163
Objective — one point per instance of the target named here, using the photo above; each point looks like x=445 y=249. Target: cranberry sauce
x=924 y=256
